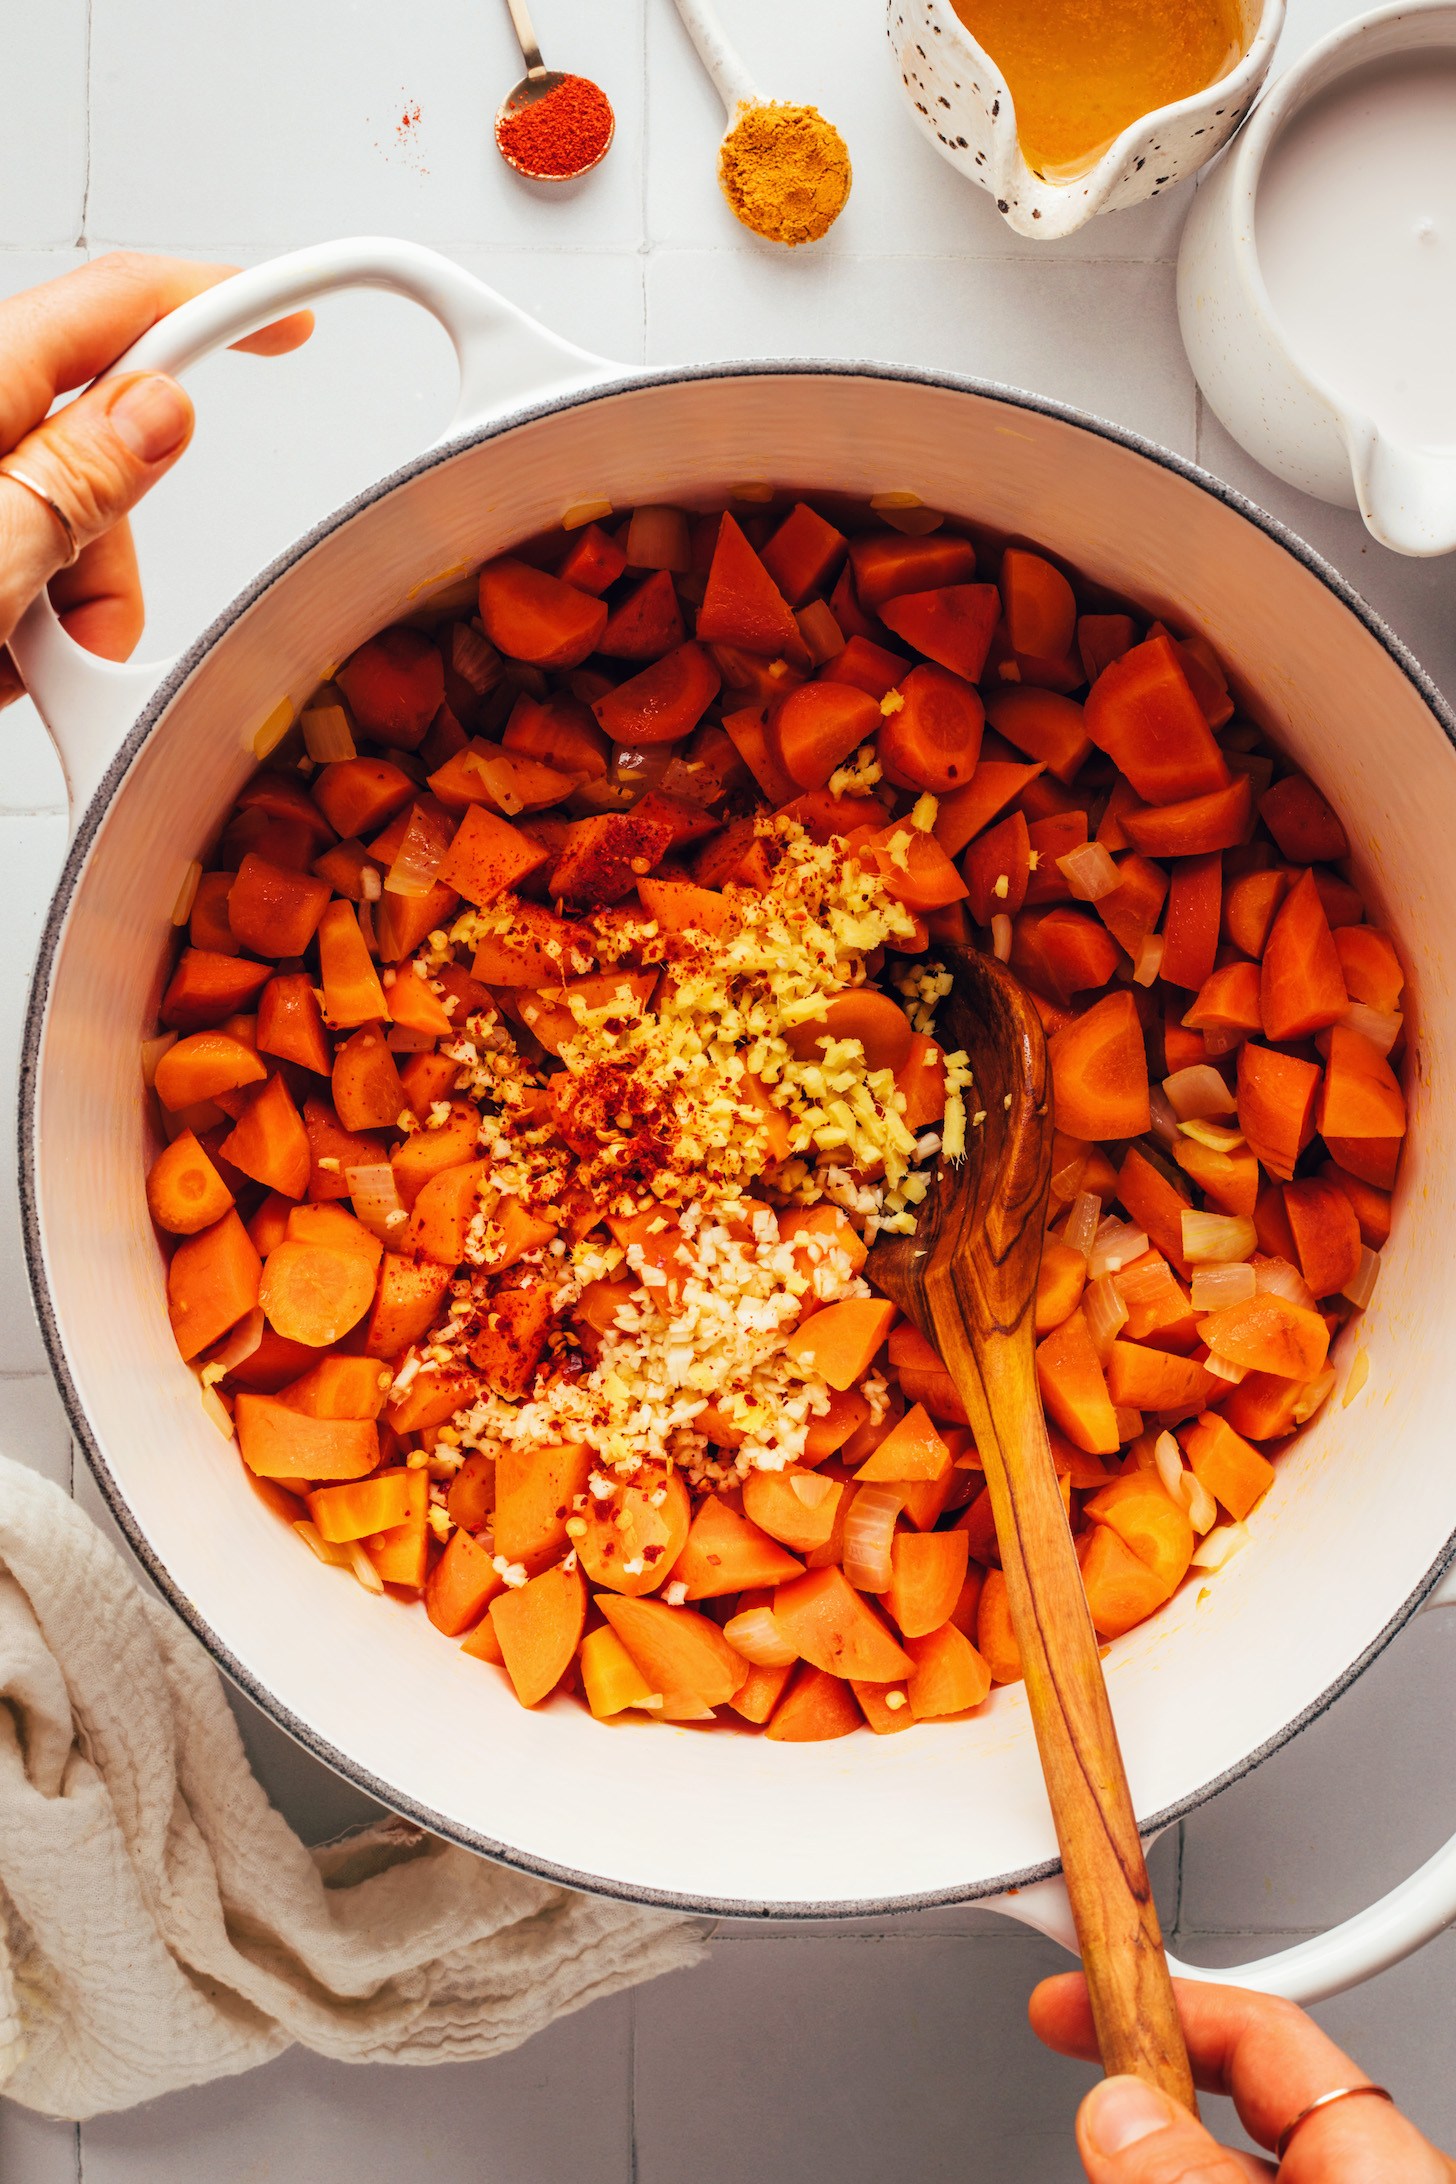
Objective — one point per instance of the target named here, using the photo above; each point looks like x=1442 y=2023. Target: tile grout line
x=81 y=240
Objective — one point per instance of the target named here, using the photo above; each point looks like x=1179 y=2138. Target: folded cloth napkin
x=160 y=1923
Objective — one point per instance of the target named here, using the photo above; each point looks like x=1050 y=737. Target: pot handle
x=1372 y=1941
x=506 y=361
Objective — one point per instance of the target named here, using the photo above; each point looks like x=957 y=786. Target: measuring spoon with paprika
x=551 y=127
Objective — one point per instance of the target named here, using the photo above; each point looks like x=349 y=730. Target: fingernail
x=151 y=417
x=1121 y=2111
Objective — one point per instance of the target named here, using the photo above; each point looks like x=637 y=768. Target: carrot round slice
x=313 y=1293
x=933 y=740
x=817 y=727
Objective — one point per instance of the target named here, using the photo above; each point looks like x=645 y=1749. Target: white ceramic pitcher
x=1284 y=413
x=961 y=100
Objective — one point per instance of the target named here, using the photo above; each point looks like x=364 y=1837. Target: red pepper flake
x=560 y=134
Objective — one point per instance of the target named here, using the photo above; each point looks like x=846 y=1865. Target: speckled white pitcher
x=961 y=100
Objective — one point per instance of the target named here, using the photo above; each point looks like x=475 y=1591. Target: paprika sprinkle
x=561 y=133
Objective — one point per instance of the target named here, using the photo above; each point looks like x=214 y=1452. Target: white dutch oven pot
x=1359 y=1525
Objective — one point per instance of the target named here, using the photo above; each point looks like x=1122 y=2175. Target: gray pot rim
x=629 y=384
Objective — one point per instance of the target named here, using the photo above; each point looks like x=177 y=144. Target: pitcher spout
x=1407 y=495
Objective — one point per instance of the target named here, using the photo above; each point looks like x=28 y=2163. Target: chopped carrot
x=664 y=702
x=462 y=1584
x=269 y=1142
x=291 y=1024
x=1043 y=724
x=486 y=856
x=360 y=1507
x=867 y=666
x=995 y=1637
x=803 y=554
x=920 y=1081
x=1121 y=1589
x=911 y=1450
x=185 y=1193
x=367 y=1092
x=1370 y=966
x=815 y=1708
x=725 y=1552
x=887 y=564
x=1191 y=927
x=1371 y=1206
x=531 y=616
x=1103 y=638
x=841 y=1341
x=952 y=625
x=1142 y=713
x=1326 y=1234
x=1100 y=1071
x=678 y=1651
x=742 y=604
x=950 y=1676
x=1269 y=1335
x=1302 y=822
x=280 y=1443
x=997 y=868
x=1143 y=1379
x=1059 y=1284
x=211 y=1282
x=794 y=1506
x=395 y=685
x=1276 y=1105
x=273 y=911
x=1041 y=611
x=1361 y=1096
x=538 y=1628
x=205 y=988
x=1074 y=1389
x=534 y=1492
x=836 y=1629
x=1195 y=827
x=1251 y=903
x=1229 y=1466
x=915 y=869
x=932 y=739
x=340 y=1387
x=314 y=1293
x=1301 y=988
x=929 y=1571
x=880 y=1026
x=817 y=727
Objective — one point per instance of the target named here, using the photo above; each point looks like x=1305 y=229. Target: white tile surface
x=879 y=2048
x=43 y=144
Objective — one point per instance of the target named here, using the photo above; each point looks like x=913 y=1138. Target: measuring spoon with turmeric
x=783 y=169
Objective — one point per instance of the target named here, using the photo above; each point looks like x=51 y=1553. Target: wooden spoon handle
x=1102 y=1857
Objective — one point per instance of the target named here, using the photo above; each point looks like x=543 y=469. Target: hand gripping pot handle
x=506 y=360
x=1372 y=1941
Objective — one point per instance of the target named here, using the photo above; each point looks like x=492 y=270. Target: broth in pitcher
x=1080 y=71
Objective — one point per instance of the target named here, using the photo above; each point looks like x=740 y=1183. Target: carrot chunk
x=995 y=1637
x=462 y=1584
x=1301 y=987
x=868 y=666
x=1276 y=1105
x=204 y=1064
x=803 y=554
x=1100 y=1071
x=1269 y=1335
x=1302 y=822
x=367 y=1092
x=679 y=1652
x=1191 y=927
x=1370 y=966
x=1121 y=1588
x=1143 y=714
x=1195 y=827
x=205 y=988
x=952 y=625
x=815 y=1708
x=950 y=1676
x=817 y=727
x=887 y=564
x=535 y=1489
x=486 y=857
x=538 y=1628
x=1041 y=611
x=1222 y=1460
x=395 y=685
x=726 y=1553
x=1069 y=1373
x=1326 y=1234
x=269 y=1142
x=279 y=1443
x=932 y=740
x=273 y=911
x=185 y=1193
x=840 y=1342
x=211 y=1282
x=314 y=1293
x=836 y=1629
x=531 y=616
x=665 y=702
x=929 y=1570
x=1361 y=1096
x=1044 y=724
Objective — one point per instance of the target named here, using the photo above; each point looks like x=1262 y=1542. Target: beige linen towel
x=160 y=1924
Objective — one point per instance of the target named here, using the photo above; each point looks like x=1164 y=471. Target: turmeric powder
x=784 y=171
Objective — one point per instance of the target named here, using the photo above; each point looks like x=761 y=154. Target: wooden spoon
x=967 y=1278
